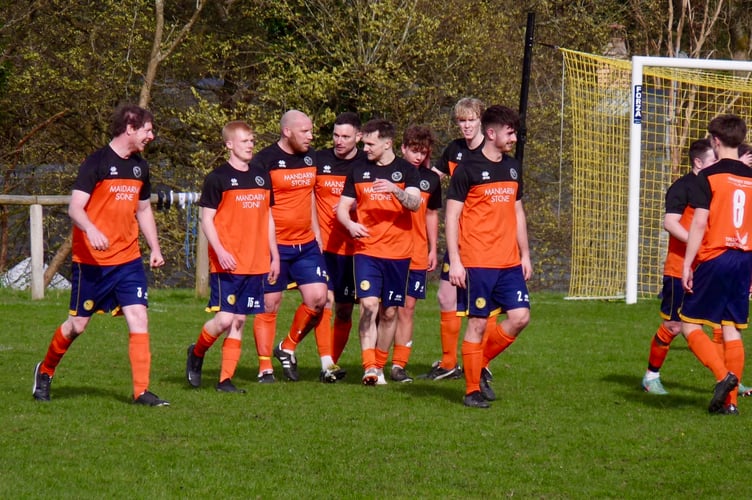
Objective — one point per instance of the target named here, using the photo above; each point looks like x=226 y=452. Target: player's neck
x=492 y=153
x=121 y=147
x=387 y=158
x=238 y=164
x=727 y=153
x=474 y=142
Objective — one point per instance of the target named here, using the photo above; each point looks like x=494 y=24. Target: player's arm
x=148 y=226
x=674 y=228
x=432 y=233
x=315 y=221
x=273 y=250
x=356 y=229
x=77 y=213
x=206 y=217
x=408 y=197
x=696 y=232
x=522 y=241
x=452 y=228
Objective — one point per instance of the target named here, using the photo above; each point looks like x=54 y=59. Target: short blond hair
x=468 y=107
x=231 y=127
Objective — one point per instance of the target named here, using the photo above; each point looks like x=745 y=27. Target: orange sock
x=55 y=352
x=340 y=336
x=369 y=358
x=401 y=355
x=204 y=342
x=140 y=356
x=324 y=333
x=381 y=357
x=718 y=341
x=734 y=355
x=496 y=342
x=449 y=328
x=659 y=348
x=264 y=326
x=704 y=349
x=231 y=349
x=304 y=320
x=472 y=361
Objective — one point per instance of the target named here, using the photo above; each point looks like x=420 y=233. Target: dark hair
x=348 y=118
x=418 y=136
x=385 y=128
x=729 y=129
x=698 y=149
x=129 y=114
x=500 y=115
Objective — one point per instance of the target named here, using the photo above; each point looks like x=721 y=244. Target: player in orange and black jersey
x=718 y=261
x=290 y=163
x=466 y=113
x=677 y=218
x=417 y=142
x=333 y=166
x=235 y=202
x=109 y=203
x=486 y=232
x=384 y=192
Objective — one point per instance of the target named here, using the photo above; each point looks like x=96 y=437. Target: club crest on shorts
x=231 y=299
x=88 y=305
x=365 y=285
x=480 y=302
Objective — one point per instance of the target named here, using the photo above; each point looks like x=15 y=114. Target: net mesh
x=677 y=105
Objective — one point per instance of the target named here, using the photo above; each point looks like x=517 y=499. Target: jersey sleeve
x=211 y=193
x=458 y=185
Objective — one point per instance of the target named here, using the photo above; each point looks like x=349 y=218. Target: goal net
x=631 y=122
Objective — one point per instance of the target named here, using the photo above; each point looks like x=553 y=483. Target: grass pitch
x=570 y=422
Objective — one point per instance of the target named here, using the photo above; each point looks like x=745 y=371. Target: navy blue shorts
x=339 y=269
x=107 y=288
x=236 y=293
x=298 y=265
x=416 y=284
x=720 y=291
x=382 y=278
x=445 y=267
x=490 y=291
x=671 y=298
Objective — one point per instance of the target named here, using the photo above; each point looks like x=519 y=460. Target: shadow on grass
x=630 y=388
x=73 y=392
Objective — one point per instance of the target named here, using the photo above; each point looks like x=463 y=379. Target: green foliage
x=571 y=420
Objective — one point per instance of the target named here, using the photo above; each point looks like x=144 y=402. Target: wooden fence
x=36 y=237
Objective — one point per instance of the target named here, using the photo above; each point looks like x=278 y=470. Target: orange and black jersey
x=453 y=153
x=430 y=199
x=242 y=201
x=677 y=202
x=115 y=186
x=331 y=173
x=293 y=177
x=387 y=221
x=725 y=190
x=488 y=222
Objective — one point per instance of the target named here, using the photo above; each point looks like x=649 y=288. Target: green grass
x=571 y=421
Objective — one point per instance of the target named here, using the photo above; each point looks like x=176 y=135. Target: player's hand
x=432 y=261
x=273 y=271
x=226 y=260
x=97 y=239
x=358 y=230
x=687 y=280
x=527 y=268
x=457 y=274
x=156 y=259
x=384 y=186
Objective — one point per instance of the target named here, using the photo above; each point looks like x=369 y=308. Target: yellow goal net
x=617 y=195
